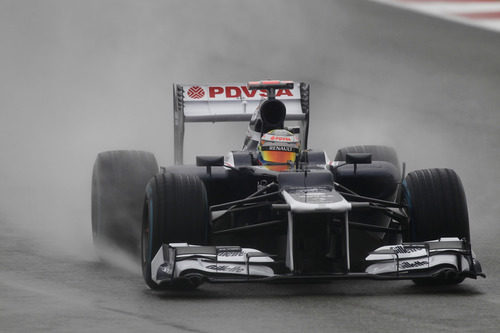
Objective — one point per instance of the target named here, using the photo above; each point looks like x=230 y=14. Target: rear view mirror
x=358 y=158
x=209 y=161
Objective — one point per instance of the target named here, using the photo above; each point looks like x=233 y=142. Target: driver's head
x=278 y=149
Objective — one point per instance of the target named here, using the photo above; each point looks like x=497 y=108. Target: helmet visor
x=275 y=156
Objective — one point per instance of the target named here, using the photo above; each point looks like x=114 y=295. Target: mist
x=81 y=77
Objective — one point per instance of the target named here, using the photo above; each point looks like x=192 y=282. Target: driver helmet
x=278 y=149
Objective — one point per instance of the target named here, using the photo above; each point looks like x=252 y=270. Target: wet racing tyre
x=118 y=182
x=175 y=211
x=379 y=153
x=436 y=208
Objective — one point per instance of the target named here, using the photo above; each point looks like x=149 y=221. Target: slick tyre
x=436 y=208
x=118 y=182
x=379 y=153
x=175 y=211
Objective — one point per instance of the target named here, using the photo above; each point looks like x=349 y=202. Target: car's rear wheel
x=371 y=183
x=175 y=211
x=118 y=182
x=436 y=208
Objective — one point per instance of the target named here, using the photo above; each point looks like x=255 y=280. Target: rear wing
x=232 y=102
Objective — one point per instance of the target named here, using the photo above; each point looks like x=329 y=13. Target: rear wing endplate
x=232 y=102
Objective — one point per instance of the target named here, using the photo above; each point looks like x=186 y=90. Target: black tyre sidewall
x=436 y=205
x=175 y=211
x=436 y=208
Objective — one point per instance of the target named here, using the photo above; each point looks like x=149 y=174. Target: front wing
x=443 y=257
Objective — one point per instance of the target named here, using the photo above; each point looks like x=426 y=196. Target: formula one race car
x=277 y=210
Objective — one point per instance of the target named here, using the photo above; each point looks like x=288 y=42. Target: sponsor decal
x=166 y=268
x=280 y=148
x=231 y=254
x=280 y=138
x=402 y=249
x=196 y=92
x=415 y=264
x=226 y=268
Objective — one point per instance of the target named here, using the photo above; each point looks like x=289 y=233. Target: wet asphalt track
x=82 y=77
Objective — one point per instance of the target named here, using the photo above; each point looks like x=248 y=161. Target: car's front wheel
x=175 y=211
x=436 y=208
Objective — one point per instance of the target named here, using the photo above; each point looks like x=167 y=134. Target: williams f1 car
x=277 y=210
